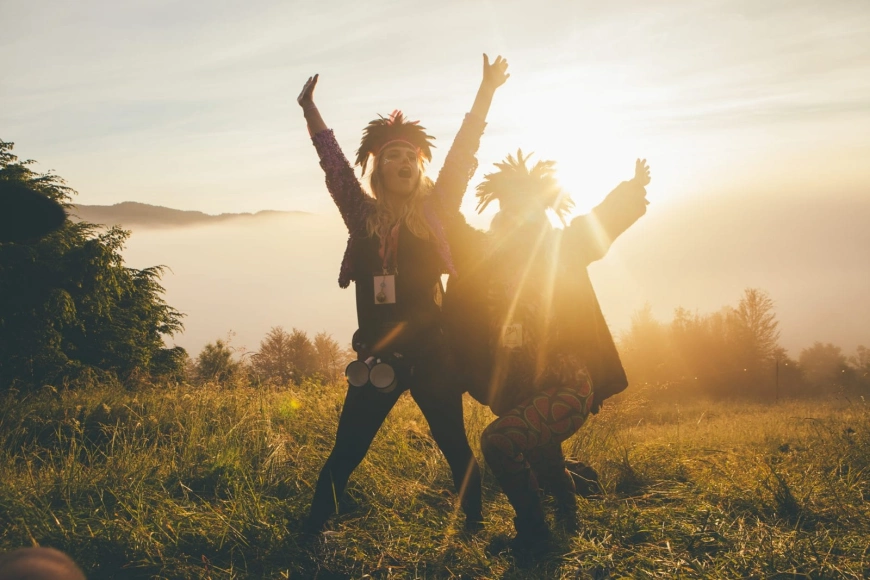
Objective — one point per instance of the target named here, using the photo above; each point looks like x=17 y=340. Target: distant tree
x=645 y=349
x=702 y=351
x=824 y=366
x=275 y=360
x=216 y=363
x=171 y=364
x=303 y=354
x=788 y=375
x=69 y=306
x=331 y=359
x=758 y=329
x=756 y=337
x=860 y=361
x=725 y=353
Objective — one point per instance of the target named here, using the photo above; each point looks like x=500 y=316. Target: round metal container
x=357 y=373
x=383 y=377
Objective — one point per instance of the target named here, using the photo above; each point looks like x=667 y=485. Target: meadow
x=177 y=481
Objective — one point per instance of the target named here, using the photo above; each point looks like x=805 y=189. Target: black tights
x=364 y=412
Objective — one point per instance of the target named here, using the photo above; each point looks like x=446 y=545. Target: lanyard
x=389 y=250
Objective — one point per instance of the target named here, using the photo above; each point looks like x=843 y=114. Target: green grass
x=209 y=482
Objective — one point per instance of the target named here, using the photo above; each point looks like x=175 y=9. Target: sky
x=191 y=105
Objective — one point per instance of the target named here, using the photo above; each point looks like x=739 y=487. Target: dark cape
x=577 y=324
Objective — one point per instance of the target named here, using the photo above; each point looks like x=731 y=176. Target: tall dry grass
x=179 y=482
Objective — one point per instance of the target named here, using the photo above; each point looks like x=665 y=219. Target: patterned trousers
x=526 y=442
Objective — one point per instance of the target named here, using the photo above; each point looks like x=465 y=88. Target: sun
x=587 y=142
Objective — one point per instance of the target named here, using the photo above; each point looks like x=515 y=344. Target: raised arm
x=589 y=236
x=461 y=163
x=341 y=181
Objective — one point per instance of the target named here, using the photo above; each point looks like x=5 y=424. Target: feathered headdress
x=383 y=131
x=514 y=180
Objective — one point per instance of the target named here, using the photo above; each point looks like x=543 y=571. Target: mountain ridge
x=134 y=213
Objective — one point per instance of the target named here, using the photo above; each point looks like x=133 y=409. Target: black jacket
x=576 y=323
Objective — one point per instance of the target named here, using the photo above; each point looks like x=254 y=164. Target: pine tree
x=274 y=361
x=70 y=308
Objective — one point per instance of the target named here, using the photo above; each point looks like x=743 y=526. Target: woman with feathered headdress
x=527 y=332
x=396 y=254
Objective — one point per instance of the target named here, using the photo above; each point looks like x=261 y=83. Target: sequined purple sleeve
x=460 y=164
x=341 y=181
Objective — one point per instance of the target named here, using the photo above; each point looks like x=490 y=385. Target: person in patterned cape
x=527 y=332
x=396 y=253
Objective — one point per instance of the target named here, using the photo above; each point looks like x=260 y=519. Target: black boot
x=557 y=481
x=565 y=494
x=325 y=502
x=473 y=525
x=533 y=534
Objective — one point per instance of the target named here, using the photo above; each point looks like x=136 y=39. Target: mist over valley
x=246 y=273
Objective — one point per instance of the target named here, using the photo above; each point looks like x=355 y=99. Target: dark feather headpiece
x=396 y=127
x=514 y=180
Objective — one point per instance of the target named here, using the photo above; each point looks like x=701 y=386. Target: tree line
x=735 y=352
x=283 y=358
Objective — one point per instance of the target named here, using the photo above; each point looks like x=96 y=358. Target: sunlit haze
x=754 y=117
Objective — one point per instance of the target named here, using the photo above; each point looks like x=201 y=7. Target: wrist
x=487 y=88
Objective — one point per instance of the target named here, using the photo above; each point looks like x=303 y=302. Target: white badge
x=385 y=289
x=512 y=336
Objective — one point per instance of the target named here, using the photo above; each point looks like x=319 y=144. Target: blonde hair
x=411 y=213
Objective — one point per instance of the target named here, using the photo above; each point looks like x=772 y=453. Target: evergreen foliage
x=70 y=308
x=215 y=363
x=275 y=360
x=734 y=353
x=825 y=365
x=331 y=359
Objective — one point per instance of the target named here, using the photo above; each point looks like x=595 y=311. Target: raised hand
x=641 y=172
x=306 y=101
x=495 y=74
x=306 y=97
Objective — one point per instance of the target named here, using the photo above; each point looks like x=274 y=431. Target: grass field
x=208 y=482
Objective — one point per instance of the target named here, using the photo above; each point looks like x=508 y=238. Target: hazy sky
x=192 y=105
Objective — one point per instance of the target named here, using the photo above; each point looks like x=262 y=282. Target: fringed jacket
x=538 y=276
x=355 y=205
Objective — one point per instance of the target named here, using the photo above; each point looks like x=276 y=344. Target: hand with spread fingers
x=641 y=172
x=495 y=74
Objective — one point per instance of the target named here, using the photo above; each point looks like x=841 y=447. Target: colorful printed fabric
x=530 y=430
